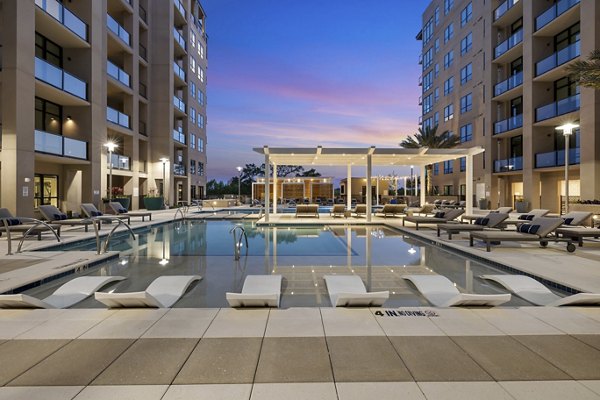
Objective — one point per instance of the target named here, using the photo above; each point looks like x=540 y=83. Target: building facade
x=494 y=73
x=76 y=76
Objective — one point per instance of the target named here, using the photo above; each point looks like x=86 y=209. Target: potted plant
x=522 y=205
x=483 y=204
x=153 y=201
x=118 y=195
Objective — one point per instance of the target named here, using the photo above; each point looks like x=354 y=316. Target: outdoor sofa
x=307 y=210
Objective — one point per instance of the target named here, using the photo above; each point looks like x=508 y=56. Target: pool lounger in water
x=163 y=292
x=258 y=291
x=538 y=294
x=441 y=292
x=70 y=293
x=349 y=290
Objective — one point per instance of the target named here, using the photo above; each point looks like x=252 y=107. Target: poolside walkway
x=301 y=353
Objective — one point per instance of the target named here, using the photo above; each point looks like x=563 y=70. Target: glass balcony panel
x=179 y=37
x=553 y=12
x=559 y=58
x=60 y=79
x=507 y=165
x=508 y=84
x=178 y=136
x=178 y=71
x=509 y=43
x=117 y=73
x=179 y=103
x=143 y=14
x=508 y=124
x=556 y=158
x=64 y=16
x=118 y=30
x=179 y=6
x=117 y=117
x=75 y=148
x=555 y=109
x=503 y=8
x=48 y=143
x=119 y=161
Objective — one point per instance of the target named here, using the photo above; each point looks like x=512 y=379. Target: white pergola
x=367 y=157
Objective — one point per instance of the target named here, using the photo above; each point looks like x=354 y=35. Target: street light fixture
x=111 y=146
x=412 y=191
x=239 y=169
x=567 y=130
x=164 y=161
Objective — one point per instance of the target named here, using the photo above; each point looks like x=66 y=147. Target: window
x=448 y=190
x=192 y=39
x=436 y=169
x=463 y=164
x=200 y=145
x=200 y=168
x=193 y=90
x=200 y=74
x=466 y=73
x=466 y=14
x=436 y=70
x=428 y=123
x=193 y=64
x=436 y=94
x=193 y=115
x=200 y=97
x=448 y=59
x=466 y=103
x=428 y=104
x=200 y=121
x=448 y=167
x=428 y=58
x=193 y=167
x=427 y=31
x=448 y=4
x=466 y=44
x=448 y=86
x=436 y=119
x=448 y=112
x=436 y=15
x=47 y=50
x=427 y=81
x=466 y=133
x=48 y=116
x=436 y=45
x=448 y=32
x=201 y=51
x=45 y=190
x=193 y=141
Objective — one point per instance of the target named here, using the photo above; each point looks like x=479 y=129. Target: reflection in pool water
x=302 y=255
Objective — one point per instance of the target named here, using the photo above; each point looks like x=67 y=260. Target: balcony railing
x=557 y=108
x=118 y=30
x=52 y=75
x=117 y=117
x=58 y=145
x=556 y=158
x=142 y=166
x=179 y=169
x=143 y=52
x=178 y=70
x=143 y=14
x=509 y=43
x=177 y=102
x=508 y=124
x=117 y=73
x=554 y=12
x=508 y=84
x=69 y=20
x=119 y=162
x=557 y=59
x=503 y=8
x=179 y=6
x=142 y=129
x=143 y=90
x=507 y=165
x=179 y=136
x=179 y=38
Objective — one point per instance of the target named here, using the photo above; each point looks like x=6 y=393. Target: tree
x=587 y=72
x=310 y=173
x=428 y=137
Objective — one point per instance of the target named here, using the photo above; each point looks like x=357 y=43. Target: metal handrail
x=102 y=250
x=179 y=211
x=237 y=243
x=36 y=222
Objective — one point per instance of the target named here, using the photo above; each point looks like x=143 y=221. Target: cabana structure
x=366 y=157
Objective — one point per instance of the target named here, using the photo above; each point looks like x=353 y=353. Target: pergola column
x=274 y=189
x=469 y=184
x=369 y=188
x=377 y=190
x=349 y=188
x=422 y=171
x=267 y=183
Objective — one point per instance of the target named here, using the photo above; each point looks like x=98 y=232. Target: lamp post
x=412 y=191
x=239 y=169
x=567 y=130
x=111 y=146
x=164 y=161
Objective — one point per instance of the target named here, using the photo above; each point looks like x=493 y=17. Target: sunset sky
x=340 y=73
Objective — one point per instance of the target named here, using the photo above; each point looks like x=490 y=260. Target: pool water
x=302 y=255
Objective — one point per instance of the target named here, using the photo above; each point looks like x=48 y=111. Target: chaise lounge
x=91 y=211
x=307 y=210
x=525 y=218
x=55 y=216
x=337 y=210
x=258 y=291
x=440 y=217
x=393 y=210
x=349 y=290
x=473 y=217
x=490 y=221
x=115 y=208
x=10 y=223
x=360 y=210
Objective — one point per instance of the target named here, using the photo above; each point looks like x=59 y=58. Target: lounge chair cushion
x=528 y=228
x=13 y=221
x=526 y=217
x=439 y=214
x=60 y=217
x=568 y=221
x=482 y=221
x=122 y=210
x=95 y=213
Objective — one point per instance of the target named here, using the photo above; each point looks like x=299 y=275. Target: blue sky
x=307 y=73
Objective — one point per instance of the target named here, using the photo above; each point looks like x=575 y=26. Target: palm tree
x=428 y=137
x=587 y=72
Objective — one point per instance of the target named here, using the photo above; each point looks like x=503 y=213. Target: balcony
x=508 y=44
x=509 y=164
x=143 y=128
x=557 y=59
x=503 y=8
x=120 y=162
x=508 y=124
x=179 y=136
x=117 y=117
x=61 y=146
x=179 y=104
x=556 y=158
x=143 y=14
x=561 y=107
x=143 y=90
x=180 y=72
x=56 y=77
x=179 y=169
x=179 y=6
x=179 y=38
x=66 y=18
x=118 y=30
x=508 y=84
x=554 y=12
x=143 y=52
x=117 y=73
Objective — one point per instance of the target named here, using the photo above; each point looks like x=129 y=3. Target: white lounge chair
x=349 y=290
x=163 y=292
x=441 y=292
x=70 y=293
x=538 y=294
x=258 y=291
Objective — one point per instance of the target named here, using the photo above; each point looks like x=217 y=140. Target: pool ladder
x=237 y=242
x=101 y=249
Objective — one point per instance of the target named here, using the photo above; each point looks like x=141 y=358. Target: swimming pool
x=302 y=255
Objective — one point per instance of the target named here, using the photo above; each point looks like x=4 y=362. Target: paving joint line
x=337 y=395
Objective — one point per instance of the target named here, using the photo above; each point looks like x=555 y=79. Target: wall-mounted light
x=69 y=118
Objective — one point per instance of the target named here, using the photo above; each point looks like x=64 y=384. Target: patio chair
x=577 y=218
x=441 y=292
x=426 y=210
x=115 y=208
x=537 y=230
x=70 y=293
x=22 y=225
x=360 y=210
x=490 y=221
x=54 y=215
x=442 y=216
x=163 y=292
x=337 y=210
x=393 y=210
x=538 y=294
x=578 y=233
x=258 y=291
x=525 y=218
x=349 y=290
x=91 y=211
x=307 y=210
x=473 y=217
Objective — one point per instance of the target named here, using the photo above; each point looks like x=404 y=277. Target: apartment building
x=78 y=75
x=521 y=94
